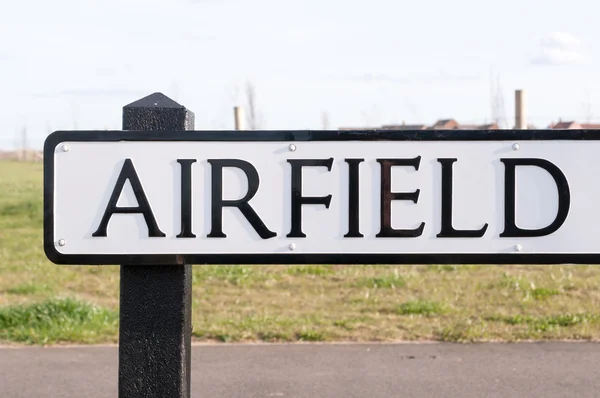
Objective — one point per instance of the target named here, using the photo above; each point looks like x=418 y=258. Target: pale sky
x=73 y=64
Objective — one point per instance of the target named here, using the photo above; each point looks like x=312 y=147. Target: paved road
x=315 y=371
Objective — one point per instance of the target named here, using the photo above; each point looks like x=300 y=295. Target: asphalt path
x=325 y=370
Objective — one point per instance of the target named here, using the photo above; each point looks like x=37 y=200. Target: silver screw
x=65 y=148
x=62 y=242
x=292 y=147
x=292 y=246
x=516 y=146
x=518 y=248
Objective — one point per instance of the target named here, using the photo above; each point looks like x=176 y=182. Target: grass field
x=44 y=303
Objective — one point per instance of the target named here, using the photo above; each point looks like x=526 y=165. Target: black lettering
x=298 y=200
x=353 y=199
x=564 y=198
x=386 y=230
x=186 y=198
x=448 y=230
x=128 y=173
x=242 y=204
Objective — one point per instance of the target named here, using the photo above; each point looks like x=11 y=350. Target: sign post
x=155 y=300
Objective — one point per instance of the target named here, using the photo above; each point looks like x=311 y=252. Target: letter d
x=564 y=198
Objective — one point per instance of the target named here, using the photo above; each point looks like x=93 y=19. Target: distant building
x=492 y=126
x=405 y=127
x=359 y=128
x=445 y=124
x=442 y=124
x=564 y=126
x=573 y=125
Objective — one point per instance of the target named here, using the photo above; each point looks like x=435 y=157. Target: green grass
x=392 y=281
x=541 y=293
x=54 y=321
x=419 y=307
x=310 y=335
x=27 y=289
x=233 y=275
x=547 y=322
x=315 y=270
x=442 y=268
x=240 y=303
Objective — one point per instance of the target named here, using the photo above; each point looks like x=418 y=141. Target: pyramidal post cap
x=155 y=100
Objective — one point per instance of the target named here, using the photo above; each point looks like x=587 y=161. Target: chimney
x=238 y=112
x=520 y=111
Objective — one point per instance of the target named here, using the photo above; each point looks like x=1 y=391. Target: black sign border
x=58 y=137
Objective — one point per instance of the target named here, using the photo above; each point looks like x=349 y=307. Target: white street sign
x=336 y=200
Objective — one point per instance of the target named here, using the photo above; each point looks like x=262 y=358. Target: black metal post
x=155 y=303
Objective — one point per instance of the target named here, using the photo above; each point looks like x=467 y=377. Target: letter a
x=128 y=173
